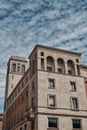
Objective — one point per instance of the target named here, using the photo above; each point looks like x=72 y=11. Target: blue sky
x=25 y=23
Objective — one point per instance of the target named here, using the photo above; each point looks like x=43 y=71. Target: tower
x=16 y=68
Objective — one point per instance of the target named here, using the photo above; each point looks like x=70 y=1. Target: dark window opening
x=52 y=122
x=42 y=53
x=32 y=125
x=77 y=60
x=42 y=64
x=78 y=70
x=76 y=123
x=25 y=127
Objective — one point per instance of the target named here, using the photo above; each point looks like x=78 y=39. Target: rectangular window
x=74 y=103
x=32 y=125
x=18 y=68
x=42 y=53
x=72 y=86
x=52 y=122
x=42 y=64
x=21 y=128
x=76 y=123
x=51 y=83
x=78 y=70
x=25 y=127
x=51 y=101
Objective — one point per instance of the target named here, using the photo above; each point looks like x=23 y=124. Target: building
x=1 y=121
x=50 y=95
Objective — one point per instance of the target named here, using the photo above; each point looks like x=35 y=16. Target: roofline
x=14 y=58
x=52 y=48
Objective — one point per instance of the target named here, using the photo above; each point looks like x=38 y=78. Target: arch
x=61 y=65
x=50 y=64
x=71 y=67
x=13 y=67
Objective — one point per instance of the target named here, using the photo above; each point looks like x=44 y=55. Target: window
x=51 y=84
x=32 y=125
x=14 y=67
x=52 y=122
x=33 y=86
x=49 y=69
x=78 y=70
x=51 y=101
x=72 y=86
x=32 y=102
x=18 y=68
x=74 y=103
x=23 y=68
x=21 y=128
x=42 y=64
x=76 y=123
x=77 y=60
x=42 y=53
x=25 y=127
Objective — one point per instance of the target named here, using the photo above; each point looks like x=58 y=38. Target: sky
x=25 y=23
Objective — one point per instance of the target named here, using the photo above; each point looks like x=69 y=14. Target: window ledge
x=52 y=107
x=74 y=110
x=73 y=90
x=77 y=129
x=52 y=128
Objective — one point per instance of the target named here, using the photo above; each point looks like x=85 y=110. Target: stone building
x=50 y=95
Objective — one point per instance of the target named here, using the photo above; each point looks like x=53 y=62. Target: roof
x=55 y=49
x=18 y=58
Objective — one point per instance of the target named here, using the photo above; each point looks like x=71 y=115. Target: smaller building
x=1 y=120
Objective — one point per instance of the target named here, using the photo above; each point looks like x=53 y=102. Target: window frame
x=52 y=119
x=48 y=105
x=72 y=105
x=80 y=124
x=51 y=83
x=74 y=87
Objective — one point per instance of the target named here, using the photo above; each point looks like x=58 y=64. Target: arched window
x=14 y=67
x=50 y=64
x=61 y=66
x=71 y=67
x=23 y=68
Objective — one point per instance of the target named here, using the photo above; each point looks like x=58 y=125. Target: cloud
x=23 y=24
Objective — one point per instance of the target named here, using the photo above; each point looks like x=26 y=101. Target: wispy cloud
x=55 y=23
